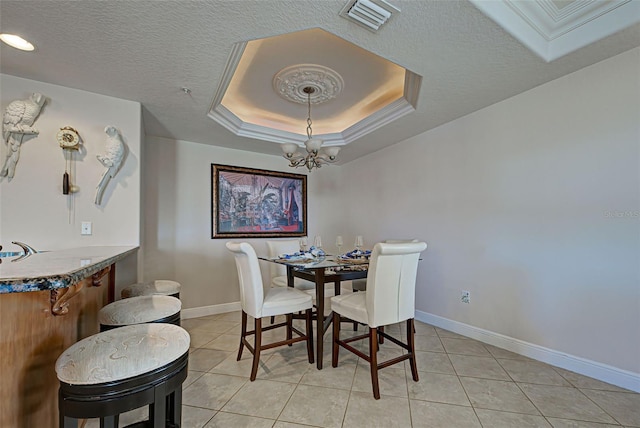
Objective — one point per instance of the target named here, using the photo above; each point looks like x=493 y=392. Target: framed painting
x=255 y=203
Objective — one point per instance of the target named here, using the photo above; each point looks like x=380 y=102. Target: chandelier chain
x=309 y=130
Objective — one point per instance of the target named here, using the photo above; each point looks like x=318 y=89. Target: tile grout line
x=589 y=398
x=475 y=412
x=456 y=373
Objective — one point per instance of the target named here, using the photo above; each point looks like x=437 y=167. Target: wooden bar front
x=31 y=339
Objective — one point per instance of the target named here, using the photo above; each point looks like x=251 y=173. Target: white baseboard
x=203 y=311
x=593 y=369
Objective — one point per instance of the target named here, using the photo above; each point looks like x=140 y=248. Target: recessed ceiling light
x=16 y=42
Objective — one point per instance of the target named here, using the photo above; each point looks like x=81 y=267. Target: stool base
x=160 y=389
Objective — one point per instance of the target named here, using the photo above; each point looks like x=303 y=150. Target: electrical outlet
x=465 y=297
x=85 y=228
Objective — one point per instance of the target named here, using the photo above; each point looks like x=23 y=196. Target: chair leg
x=109 y=421
x=174 y=407
x=158 y=410
x=355 y=324
x=373 y=355
x=256 y=349
x=412 y=348
x=309 y=324
x=335 y=349
x=243 y=334
x=273 y=319
x=289 y=332
x=67 y=422
x=169 y=405
x=381 y=337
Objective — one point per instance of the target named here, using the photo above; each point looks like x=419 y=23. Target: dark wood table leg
x=319 y=274
x=319 y=278
x=290 y=276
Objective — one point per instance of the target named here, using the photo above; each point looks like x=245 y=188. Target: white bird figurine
x=18 y=120
x=112 y=160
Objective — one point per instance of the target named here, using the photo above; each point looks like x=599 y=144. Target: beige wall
x=177 y=226
x=531 y=205
x=32 y=206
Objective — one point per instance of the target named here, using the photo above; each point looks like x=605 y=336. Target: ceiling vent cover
x=370 y=14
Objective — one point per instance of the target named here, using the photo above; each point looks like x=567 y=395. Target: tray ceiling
x=147 y=51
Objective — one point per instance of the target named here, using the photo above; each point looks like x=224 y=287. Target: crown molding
x=232 y=63
x=552 y=32
x=377 y=120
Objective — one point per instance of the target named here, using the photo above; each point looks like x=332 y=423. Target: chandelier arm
x=325 y=159
x=295 y=159
x=293 y=156
x=297 y=163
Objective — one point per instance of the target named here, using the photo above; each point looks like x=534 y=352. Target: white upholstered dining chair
x=258 y=301
x=361 y=284
x=389 y=299
x=279 y=272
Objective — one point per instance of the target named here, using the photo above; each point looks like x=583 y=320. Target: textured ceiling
x=147 y=51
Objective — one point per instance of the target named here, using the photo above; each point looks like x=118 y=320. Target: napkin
x=312 y=254
x=296 y=256
x=356 y=254
x=317 y=252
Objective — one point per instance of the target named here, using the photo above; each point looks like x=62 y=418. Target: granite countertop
x=57 y=269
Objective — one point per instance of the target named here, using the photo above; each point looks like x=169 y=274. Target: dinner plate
x=344 y=259
x=295 y=258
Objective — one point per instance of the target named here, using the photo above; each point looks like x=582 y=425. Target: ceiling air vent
x=370 y=14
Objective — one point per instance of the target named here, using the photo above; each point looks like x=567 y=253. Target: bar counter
x=48 y=301
x=56 y=269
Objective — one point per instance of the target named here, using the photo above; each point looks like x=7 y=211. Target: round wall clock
x=68 y=138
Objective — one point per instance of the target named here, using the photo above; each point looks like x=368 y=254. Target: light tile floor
x=463 y=383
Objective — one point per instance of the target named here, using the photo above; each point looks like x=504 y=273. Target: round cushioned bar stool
x=140 y=310
x=163 y=287
x=122 y=369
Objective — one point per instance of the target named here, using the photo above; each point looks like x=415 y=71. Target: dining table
x=320 y=271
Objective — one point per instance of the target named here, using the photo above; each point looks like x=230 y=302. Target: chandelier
x=316 y=155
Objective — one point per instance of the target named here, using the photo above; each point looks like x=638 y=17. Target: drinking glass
x=359 y=243
x=339 y=244
x=303 y=244
x=317 y=241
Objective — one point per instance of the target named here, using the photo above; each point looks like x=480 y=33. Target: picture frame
x=257 y=203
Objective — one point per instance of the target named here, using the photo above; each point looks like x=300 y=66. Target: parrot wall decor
x=112 y=160
x=17 y=121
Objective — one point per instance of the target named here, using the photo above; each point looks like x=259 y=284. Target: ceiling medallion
x=290 y=83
